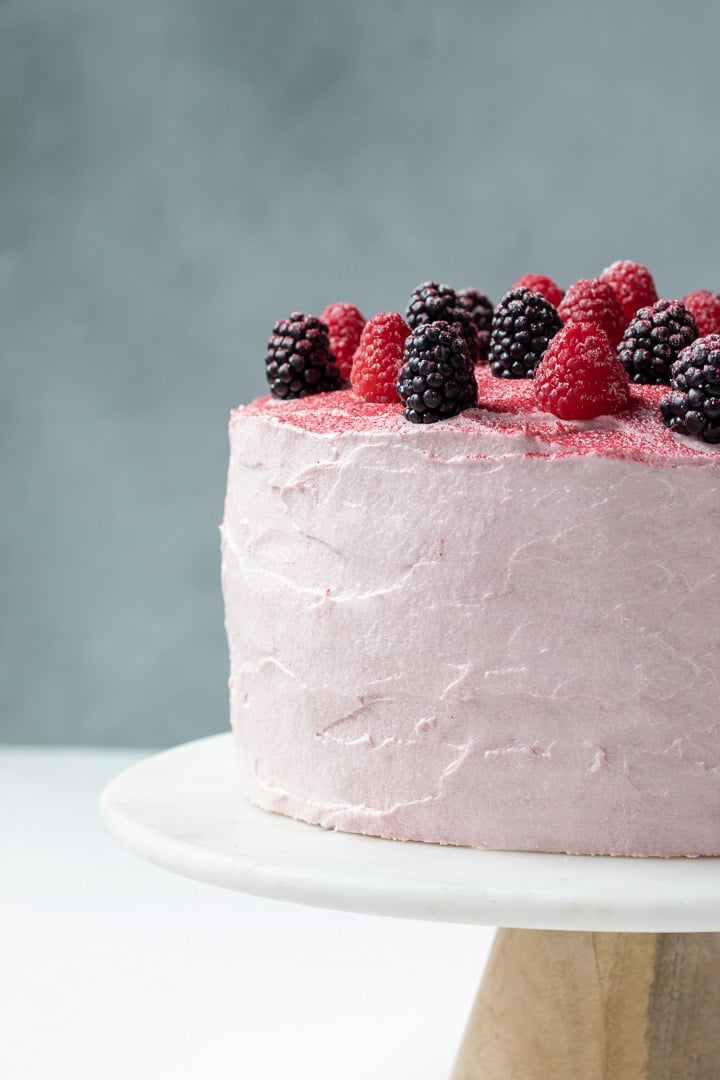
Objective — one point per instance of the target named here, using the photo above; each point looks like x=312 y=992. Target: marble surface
x=112 y=969
x=184 y=810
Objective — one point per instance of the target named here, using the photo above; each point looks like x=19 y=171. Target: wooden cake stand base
x=564 y=1005
x=610 y=968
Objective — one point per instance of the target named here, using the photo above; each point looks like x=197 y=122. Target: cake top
x=604 y=368
x=507 y=408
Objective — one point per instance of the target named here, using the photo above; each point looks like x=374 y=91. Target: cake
x=499 y=630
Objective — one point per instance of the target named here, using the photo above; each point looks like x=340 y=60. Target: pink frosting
x=507 y=407
x=500 y=630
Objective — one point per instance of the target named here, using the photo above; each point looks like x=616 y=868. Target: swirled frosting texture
x=500 y=631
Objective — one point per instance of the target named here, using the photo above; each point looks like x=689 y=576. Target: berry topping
x=580 y=377
x=693 y=405
x=344 y=323
x=437 y=378
x=633 y=284
x=705 y=306
x=542 y=284
x=480 y=311
x=431 y=302
x=379 y=357
x=298 y=360
x=523 y=324
x=592 y=300
x=653 y=339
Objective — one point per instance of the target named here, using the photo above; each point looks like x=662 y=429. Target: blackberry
x=653 y=339
x=480 y=311
x=437 y=377
x=523 y=325
x=298 y=359
x=693 y=406
x=431 y=302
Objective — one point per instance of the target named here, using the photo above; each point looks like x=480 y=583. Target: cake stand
x=603 y=967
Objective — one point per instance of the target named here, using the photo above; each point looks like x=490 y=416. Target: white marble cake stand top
x=185 y=810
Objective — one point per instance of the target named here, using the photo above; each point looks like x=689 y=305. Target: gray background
x=176 y=175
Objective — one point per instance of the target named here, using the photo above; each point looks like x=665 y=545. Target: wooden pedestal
x=560 y=1005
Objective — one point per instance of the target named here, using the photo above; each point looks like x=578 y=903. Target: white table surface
x=112 y=968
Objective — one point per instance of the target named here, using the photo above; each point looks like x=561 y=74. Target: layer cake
x=502 y=630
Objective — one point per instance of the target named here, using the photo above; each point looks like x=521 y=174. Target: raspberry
x=705 y=306
x=542 y=284
x=653 y=339
x=431 y=302
x=298 y=359
x=592 y=300
x=579 y=377
x=379 y=356
x=437 y=378
x=523 y=324
x=344 y=323
x=693 y=406
x=480 y=311
x=633 y=284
